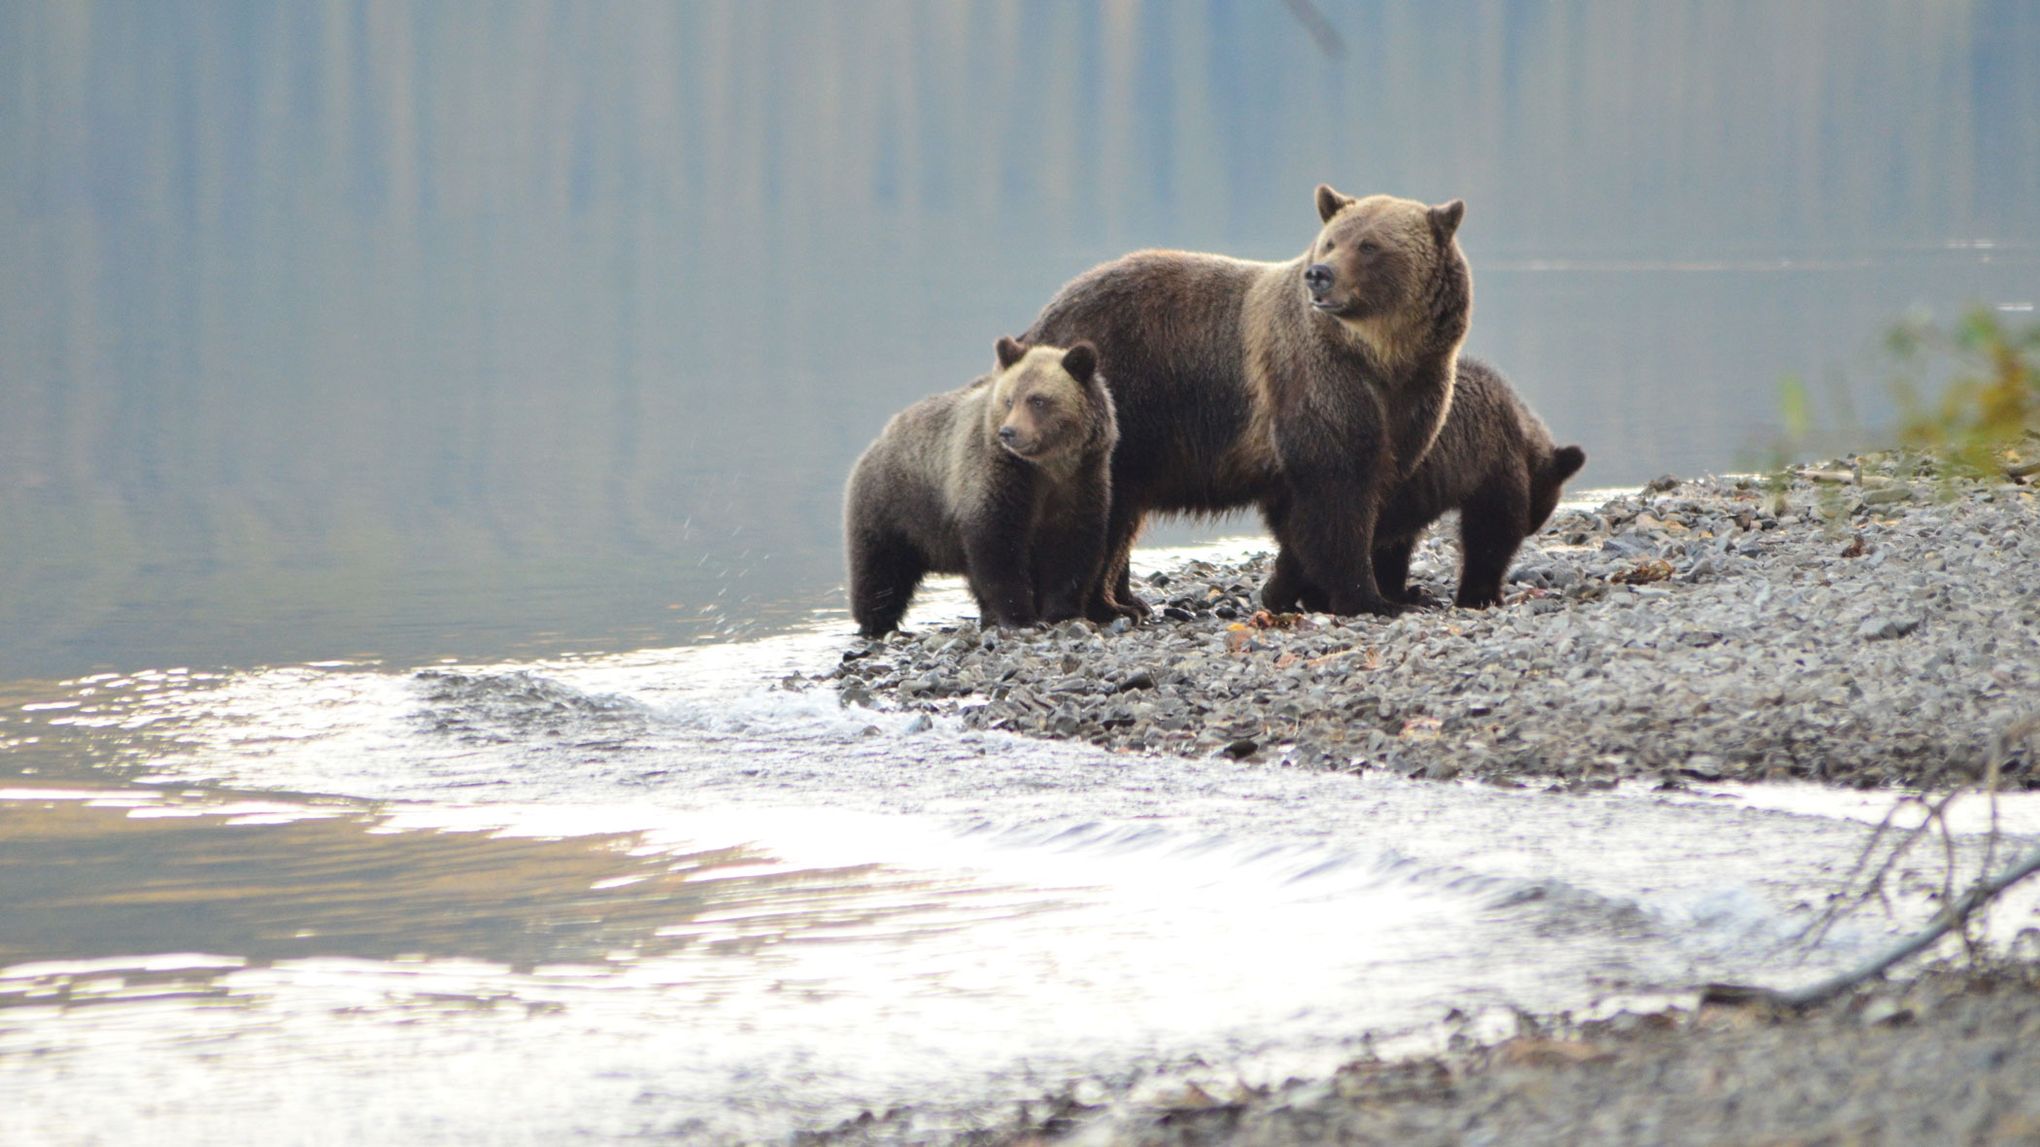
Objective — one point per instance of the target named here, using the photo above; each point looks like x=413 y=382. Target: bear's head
x=1382 y=258
x=1547 y=480
x=1049 y=403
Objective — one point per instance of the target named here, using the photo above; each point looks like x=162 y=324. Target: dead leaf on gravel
x=1421 y=729
x=1646 y=570
x=1370 y=657
x=1532 y=1051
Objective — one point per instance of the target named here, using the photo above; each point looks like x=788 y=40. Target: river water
x=423 y=429
x=682 y=893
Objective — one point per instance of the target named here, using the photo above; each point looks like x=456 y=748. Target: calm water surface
x=340 y=330
x=421 y=434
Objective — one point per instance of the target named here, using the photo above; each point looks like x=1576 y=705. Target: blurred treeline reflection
x=473 y=328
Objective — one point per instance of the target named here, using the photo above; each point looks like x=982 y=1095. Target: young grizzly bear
x=1308 y=388
x=1494 y=462
x=1005 y=481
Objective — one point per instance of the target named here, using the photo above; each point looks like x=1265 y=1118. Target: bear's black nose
x=1318 y=277
x=1008 y=434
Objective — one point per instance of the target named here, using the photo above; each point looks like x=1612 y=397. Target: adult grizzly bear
x=1494 y=462
x=1005 y=481
x=1308 y=388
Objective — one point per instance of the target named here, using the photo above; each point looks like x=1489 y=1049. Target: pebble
x=1716 y=629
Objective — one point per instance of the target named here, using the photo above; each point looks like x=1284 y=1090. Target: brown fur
x=1495 y=463
x=1005 y=481
x=1233 y=389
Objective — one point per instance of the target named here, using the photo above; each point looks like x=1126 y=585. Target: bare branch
x=1949 y=918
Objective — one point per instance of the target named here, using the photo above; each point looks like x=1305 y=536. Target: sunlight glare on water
x=684 y=892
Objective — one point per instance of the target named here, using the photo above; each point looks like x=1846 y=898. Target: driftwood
x=1945 y=921
x=2021 y=737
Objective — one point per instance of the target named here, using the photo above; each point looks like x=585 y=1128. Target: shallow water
x=662 y=893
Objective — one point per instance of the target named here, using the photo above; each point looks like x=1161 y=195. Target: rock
x=1138 y=679
x=1880 y=627
x=1747 y=645
x=1701 y=767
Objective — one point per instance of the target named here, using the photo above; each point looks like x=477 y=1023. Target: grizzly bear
x=1005 y=481
x=1308 y=388
x=1494 y=462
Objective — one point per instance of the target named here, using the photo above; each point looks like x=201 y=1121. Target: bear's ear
x=1081 y=361
x=1010 y=351
x=1565 y=462
x=1446 y=216
x=1329 y=201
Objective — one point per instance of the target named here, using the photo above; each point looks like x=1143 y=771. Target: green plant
x=1986 y=415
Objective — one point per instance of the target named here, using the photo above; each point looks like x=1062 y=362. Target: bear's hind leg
x=885 y=570
x=1491 y=528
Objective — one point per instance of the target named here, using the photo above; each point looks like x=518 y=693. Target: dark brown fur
x=1233 y=389
x=1494 y=462
x=1005 y=481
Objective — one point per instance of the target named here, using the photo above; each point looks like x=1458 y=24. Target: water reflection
x=401 y=330
x=131 y=873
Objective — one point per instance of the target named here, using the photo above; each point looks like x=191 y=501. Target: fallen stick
x=1944 y=922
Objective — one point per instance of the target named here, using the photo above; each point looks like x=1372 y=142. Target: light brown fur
x=1240 y=383
x=1005 y=481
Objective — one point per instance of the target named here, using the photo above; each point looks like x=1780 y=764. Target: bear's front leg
x=1288 y=588
x=1392 y=572
x=1114 y=596
x=1069 y=552
x=1324 y=517
x=1000 y=575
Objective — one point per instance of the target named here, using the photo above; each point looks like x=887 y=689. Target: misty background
x=484 y=329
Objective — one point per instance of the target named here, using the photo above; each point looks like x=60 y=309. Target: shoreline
x=1945 y=1055
x=1865 y=623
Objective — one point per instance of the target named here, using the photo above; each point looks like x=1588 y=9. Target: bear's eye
x=1036 y=402
x=1369 y=246
x=1329 y=245
x=1009 y=402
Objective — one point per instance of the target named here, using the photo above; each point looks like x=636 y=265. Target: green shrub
x=1985 y=415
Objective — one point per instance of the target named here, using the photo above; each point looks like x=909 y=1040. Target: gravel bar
x=1866 y=621
x=1947 y=1057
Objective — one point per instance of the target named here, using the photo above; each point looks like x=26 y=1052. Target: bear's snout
x=1319 y=278
x=1008 y=435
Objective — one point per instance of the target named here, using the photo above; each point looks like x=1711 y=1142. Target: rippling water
x=680 y=893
